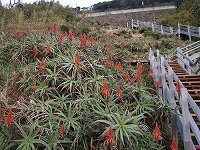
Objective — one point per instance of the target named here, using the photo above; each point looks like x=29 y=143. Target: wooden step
x=189 y=107
x=197 y=147
x=196 y=91
x=192 y=86
x=189 y=79
x=189 y=83
x=181 y=73
x=195 y=95
x=172 y=62
x=197 y=101
x=189 y=75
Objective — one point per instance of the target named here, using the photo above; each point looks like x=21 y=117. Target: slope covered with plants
x=70 y=85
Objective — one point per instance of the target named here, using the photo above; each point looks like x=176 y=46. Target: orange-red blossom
x=150 y=73
x=105 y=90
x=62 y=129
x=42 y=65
x=157 y=84
x=9 y=118
x=110 y=137
x=127 y=76
x=78 y=60
x=178 y=88
x=156 y=133
x=173 y=145
x=119 y=92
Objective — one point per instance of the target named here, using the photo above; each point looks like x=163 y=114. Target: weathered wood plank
x=188 y=144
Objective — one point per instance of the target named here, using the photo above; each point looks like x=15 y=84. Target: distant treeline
x=127 y=4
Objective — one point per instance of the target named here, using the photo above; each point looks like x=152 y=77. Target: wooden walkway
x=191 y=31
x=186 y=100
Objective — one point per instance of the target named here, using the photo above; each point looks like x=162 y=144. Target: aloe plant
x=29 y=140
x=125 y=126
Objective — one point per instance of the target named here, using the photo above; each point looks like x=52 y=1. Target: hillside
x=68 y=83
x=130 y=4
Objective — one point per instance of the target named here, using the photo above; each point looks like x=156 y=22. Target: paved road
x=130 y=11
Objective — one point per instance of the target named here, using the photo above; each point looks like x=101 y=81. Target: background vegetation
x=61 y=86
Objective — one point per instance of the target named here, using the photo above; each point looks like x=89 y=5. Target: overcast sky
x=72 y=3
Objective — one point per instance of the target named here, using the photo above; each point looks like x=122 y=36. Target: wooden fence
x=183 y=122
x=180 y=29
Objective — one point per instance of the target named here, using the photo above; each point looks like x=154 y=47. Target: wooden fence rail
x=184 y=123
x=180 y=29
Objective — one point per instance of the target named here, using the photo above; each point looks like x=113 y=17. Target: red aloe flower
x=128 y=57
x=116 y=56
x=46 y=29
x=105 y=90
x=120 y=67
x=108 y=62
x=131 y=49
x=173 y=145
x=139 y=65
x=138 y=75
x=6 y=35
x=157 y=84
x=34 y=88
x=110 y=50
x=42 y=65
x=37 y=27
x=16 y=32
x=178 y=88
x=78 y=59
x=54 y=25
x=60 y=40
x=91 y=144
x=121 y=45
x=47 y=49
x=70 y=36
x=27 y=29
x=9 y=118
x=127 y=76
x=110 y=137
x=92 y=41
x=150 y=73
x=35 y=52
x=62 y=129
x=118 y=92
x=129 y=65
x=156 y=133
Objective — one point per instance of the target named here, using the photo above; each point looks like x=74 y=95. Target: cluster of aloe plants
x=71 y=87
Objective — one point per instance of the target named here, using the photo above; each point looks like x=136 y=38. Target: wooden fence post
x=171 y=101
x=189 y=35
x=137 y=23
x=127 y=24
x=188 y=144
x=161 y=27
x=182 y=64
x=199 y=31
x=171 y=30
x=164 y=87
x=180 y=56
x=152 y=27
x=188 y=63
x=155 y=69
x=179 y=31
x=159 y=72
x=132 y=23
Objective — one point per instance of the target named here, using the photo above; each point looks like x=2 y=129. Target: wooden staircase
x=192 y=83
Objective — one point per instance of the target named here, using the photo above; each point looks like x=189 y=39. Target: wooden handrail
x=168 y=94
